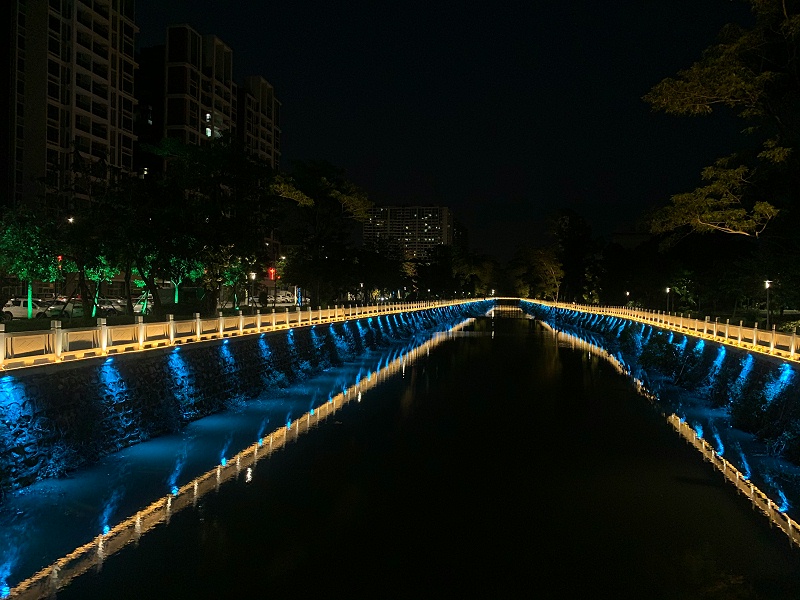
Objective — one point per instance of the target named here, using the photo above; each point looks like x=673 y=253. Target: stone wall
x=56 y=418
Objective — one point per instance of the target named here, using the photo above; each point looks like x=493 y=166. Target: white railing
x=60 y=344
x=768 y=342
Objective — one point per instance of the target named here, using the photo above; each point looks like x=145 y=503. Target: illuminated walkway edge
x=757 y=497
x=91 y=555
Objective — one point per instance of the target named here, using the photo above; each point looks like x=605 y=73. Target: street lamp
x=667 y=299
x=252 y=287
x=767 y=283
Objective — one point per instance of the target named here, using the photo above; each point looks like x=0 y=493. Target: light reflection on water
x=87 y=510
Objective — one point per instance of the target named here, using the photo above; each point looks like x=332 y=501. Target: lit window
x=208 y=117
x=208 y=131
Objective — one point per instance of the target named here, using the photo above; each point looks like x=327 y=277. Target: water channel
x=497 y=460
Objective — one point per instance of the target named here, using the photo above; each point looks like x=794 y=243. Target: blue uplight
x=106 y=529
x=5 y=591
x=224 y=461
x=779 y=383
x=699 y=430
x=174 y=490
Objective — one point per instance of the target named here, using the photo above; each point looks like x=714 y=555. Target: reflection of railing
x=58 y=344
x=49 y=580
x=752 y=338
x=758 y=498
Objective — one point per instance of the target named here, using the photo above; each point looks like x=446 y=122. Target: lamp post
x=766 y=286
x=252 y=289
x=667 y=299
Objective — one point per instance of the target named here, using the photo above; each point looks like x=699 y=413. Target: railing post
x=258 y=320
x=772 y=340
x=793 y=344
x=241 y=321
x=705 y=326
x=220 y=324
x=103 y=330
x=58 y=339
x=727 y=328
x=716 y=327
x=741 y=326
x=197 y=326
x=140 y=331
x=755 y=334
x=3 y=342
x=171 y=329
x=287 y=316
x=273 y=318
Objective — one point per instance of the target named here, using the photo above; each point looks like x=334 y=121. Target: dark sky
x=503 y=111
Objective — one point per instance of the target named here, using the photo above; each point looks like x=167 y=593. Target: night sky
x=502 y=111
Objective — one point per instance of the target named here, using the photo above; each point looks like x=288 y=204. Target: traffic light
x=272 y=273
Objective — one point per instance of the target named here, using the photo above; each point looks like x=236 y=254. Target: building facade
x=258 y=128
x=408 y=232
x=71 y=107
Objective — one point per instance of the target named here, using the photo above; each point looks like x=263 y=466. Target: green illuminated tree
x=28 y=249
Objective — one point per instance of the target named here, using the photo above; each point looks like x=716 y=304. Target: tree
x=322 y=234
x=753 y=73
x=28 y=249
x=537 y=273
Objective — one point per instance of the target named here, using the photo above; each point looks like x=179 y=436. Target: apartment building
x=186 y=91
x=259 y=120
x=201 y=95
x=408 y=232
x=71 y=106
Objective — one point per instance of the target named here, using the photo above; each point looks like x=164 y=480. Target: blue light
x=779 y=383
x=110 y=359
x=225 y=341
x=720 y=446
x=746 y=474
x=106 y=529
x=784 y=502
x=174 y=490
x=5 y=591
x=699 y=430
x=224 y=461
x=312 y=412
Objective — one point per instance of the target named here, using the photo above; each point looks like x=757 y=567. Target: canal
x=500 y=461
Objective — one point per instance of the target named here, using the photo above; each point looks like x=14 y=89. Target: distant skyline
x=503 y=113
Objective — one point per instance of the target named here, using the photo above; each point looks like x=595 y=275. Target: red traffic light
x=272 y=273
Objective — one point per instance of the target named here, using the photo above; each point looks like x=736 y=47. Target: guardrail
x=59 y=344
x=770 y=342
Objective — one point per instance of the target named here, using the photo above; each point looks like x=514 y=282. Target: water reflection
x=34 y=522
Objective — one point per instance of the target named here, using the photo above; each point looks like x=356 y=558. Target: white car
x=65 y=310
x=17 y=308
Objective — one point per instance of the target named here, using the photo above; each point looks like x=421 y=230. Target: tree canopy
x=752 y=73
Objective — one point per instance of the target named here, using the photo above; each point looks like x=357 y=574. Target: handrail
x=774 y=343
x=58 y=344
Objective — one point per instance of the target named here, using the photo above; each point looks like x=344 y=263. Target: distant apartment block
x=408 y=232
x=201 y=95
x=71 y=105
x=259 y=118
x=186 y=91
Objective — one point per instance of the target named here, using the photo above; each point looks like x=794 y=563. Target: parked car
x=17 y=308
x=65 y=310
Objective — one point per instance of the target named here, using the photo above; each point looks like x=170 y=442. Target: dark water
x=499 y=465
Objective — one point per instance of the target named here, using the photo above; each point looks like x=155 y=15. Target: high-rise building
x=408 y=232
x=186 y=91
x=71 y=102
x=201 y=94
x=259 y=120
